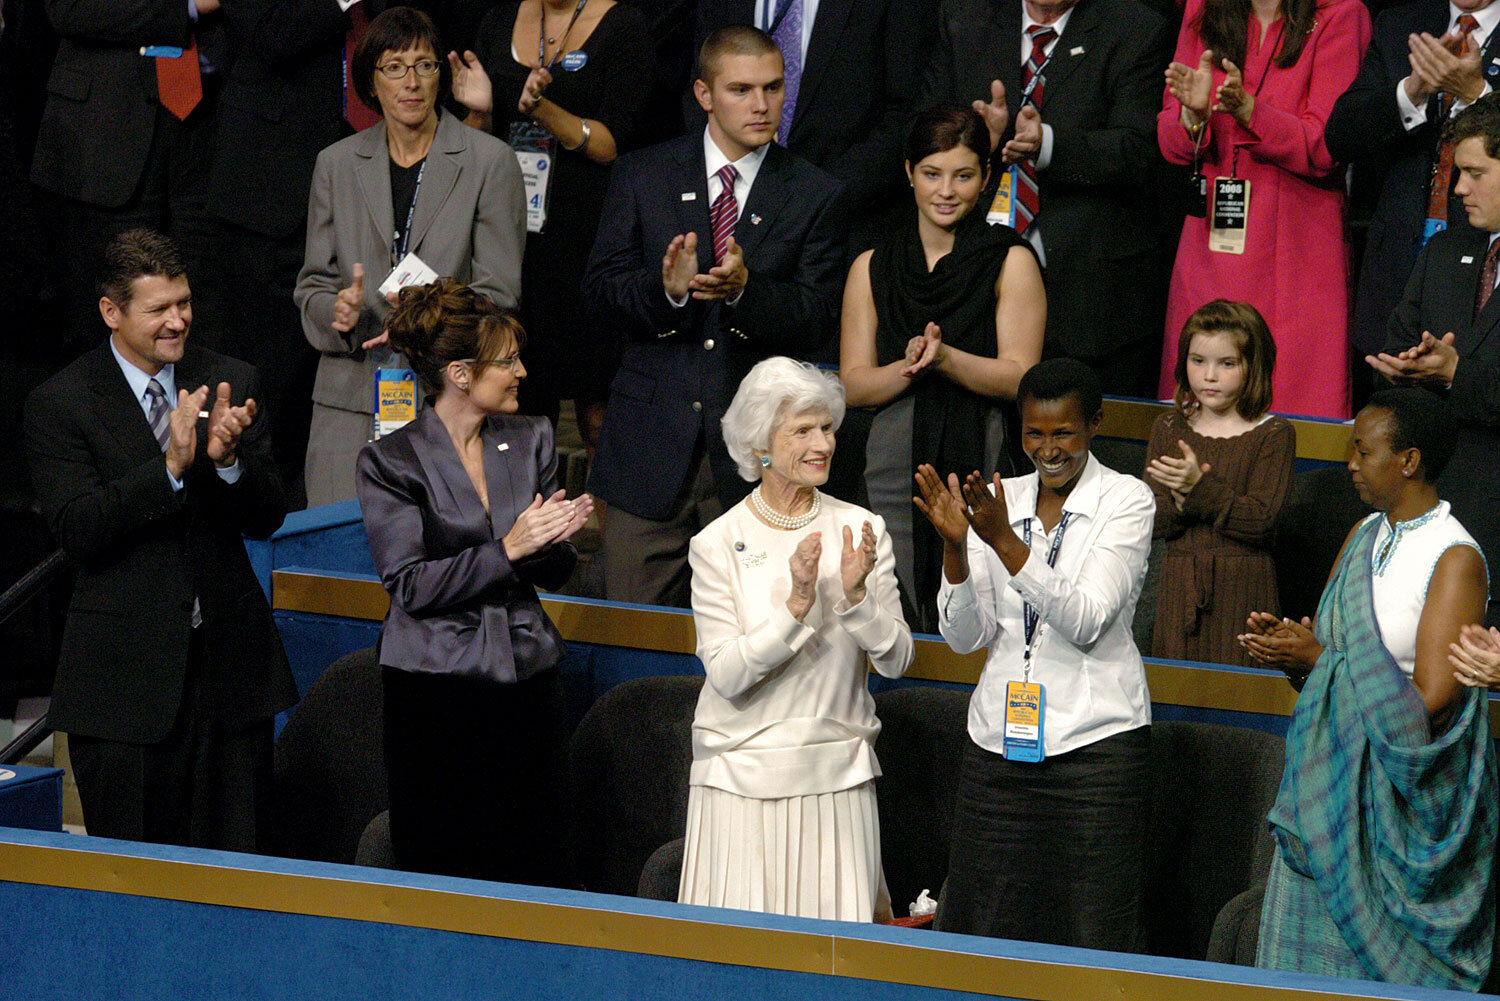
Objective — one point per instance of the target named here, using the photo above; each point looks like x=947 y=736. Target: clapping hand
x=225 y=425
x=679 y=265
x=471 y=84
x=1282 y=643
x=1232 y=96
x=1193 y=86
x=855 y=563
x=986 y=510
x=182 y=430
x=541 y=524
x=532 y=90
x=804 y=568
x=1476 y=656
x=1179 y=476
x=994 y=112
x=1026 y=144
x=1439 y=67
x=943 y=505
x=1431 y=361
x=724 y=280
x=924 y=351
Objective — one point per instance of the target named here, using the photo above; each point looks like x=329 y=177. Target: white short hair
x=776 y=389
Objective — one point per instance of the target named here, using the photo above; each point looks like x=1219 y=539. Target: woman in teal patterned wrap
x=1386 y=818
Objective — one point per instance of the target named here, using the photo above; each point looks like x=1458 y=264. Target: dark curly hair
x=447 y=321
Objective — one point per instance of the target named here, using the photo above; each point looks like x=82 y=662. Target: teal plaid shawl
x=1397 y=830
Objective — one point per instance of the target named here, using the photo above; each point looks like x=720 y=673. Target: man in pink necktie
x=714 y=251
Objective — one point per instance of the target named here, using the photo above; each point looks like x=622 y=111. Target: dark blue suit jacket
x=681 y=366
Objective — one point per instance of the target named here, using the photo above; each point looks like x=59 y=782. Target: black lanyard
x=1030 y=615
x=541 y=34
x=1040 y=74
x=403 y=237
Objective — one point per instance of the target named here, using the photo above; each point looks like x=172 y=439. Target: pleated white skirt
x=809 y=856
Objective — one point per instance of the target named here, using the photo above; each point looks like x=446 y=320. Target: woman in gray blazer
x=465 y=521
x=417 y=182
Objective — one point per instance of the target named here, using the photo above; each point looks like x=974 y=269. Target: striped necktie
x=160 y=416
x=1028 y=194
x=724 y=212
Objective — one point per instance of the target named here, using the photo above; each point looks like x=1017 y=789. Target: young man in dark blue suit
x=699 y=311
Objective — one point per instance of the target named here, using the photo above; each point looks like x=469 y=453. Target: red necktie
x=179 y=82
x=724 y=212
x=1487 y=276
x=1028 y=195
x=1442 y=167
x=356 y=112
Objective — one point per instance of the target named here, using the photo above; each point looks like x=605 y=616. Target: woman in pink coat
x=1247 y=97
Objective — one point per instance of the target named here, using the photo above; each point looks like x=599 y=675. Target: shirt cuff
x=1459 y=104
x=955 y=599
x=1034 y=581
x=788 y=630
x=1044 y=154
x=193 y=11
x=735 y=301
x=230 y=473
x=676 y=303
x=176 y=483
x=1411 y=115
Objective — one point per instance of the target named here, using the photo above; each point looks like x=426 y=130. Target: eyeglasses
x=509 y=362
x=396 y=70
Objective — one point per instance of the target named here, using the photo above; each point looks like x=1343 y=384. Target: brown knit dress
x=1218 y=566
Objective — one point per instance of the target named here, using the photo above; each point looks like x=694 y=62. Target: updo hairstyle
x=447 y=321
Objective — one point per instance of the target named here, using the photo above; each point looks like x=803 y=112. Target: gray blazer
x=458 y=604
x=469 y=224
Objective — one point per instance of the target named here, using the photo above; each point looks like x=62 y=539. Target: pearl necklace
x=786 y=521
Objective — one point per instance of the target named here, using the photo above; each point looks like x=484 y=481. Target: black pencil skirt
x=1051 y=852
x=475 y=777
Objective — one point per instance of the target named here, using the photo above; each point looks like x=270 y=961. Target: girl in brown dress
x=1220 y=467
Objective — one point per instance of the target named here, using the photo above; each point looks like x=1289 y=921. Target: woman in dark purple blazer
x=465 y=521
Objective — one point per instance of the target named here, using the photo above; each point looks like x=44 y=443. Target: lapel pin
x=504 y=445
x=739 y=547
x=754 y=219
x=690 y=196
x=1466 y=259
x=1076 y=50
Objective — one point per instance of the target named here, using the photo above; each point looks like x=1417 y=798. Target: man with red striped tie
x=127 y=135
x=1070 y=90
x=714 y=251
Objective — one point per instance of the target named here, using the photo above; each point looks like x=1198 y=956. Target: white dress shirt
x=1400 y=575
x=787 y=710
x=1413 y=116
x=1083 y=651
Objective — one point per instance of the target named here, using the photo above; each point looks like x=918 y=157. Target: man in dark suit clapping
x=714 y=251
x=150 y=463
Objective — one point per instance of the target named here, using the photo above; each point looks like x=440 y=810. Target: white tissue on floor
x=922 y=905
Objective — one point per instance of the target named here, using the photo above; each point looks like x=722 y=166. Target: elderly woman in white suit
x=419 y=181
x=792 y=591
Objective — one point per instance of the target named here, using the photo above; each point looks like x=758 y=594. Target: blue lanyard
x=1030 y=615
x=399 y=244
